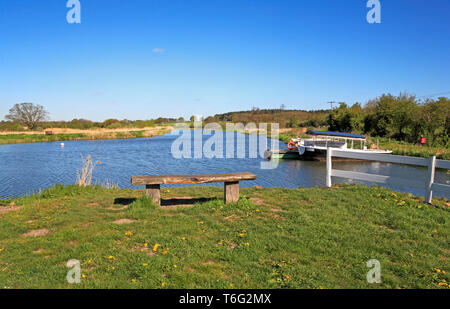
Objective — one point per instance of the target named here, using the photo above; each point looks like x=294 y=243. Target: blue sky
x=142 y=59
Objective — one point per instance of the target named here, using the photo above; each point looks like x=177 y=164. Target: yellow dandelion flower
x=442 y=284
x=146 y=245
x=286 y=276
x=321 y=287
x=165 y=251
x=83 y=276
x=200 y=222
x=144 y=264
x=244 y=231
x=129 y=234
x=247 y=244
x=133 y=280
x=1 y=249
x=437 y=270
x=163 y=284
x=174 y=266
x=434 y=231
x=220 y=243
x=241 y=234
x=142 y=250
x=168 y=191
x=155 y=247
x=183 y=238
x=231 y=285
x=113 y=268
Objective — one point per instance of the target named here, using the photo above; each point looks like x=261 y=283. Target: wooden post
x=231 y=192
x=430 y=179
x=328 y=179
x=154 y=192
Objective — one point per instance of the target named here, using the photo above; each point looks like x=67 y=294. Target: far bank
x=58 y=134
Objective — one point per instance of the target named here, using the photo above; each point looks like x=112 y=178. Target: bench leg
x=231 y=192
x=154 y=192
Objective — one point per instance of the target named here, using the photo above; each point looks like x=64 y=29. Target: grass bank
x=271 y=238
x=408 y=149
x=29 y=137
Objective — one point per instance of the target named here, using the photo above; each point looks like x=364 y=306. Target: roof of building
x=335 y=134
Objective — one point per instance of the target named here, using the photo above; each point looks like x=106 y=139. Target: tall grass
x=109 y=184
x=84 y=177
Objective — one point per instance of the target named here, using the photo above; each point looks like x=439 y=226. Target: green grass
x=271 y=238
x=408 y=149
x=35 y=138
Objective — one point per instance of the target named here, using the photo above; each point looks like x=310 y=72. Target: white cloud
x=158 y=50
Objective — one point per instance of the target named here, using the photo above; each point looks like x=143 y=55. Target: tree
x=27 y=114
x=434 y=115
x=292 y=122
x=109 y=122
x=345 y=119
x=393 y=117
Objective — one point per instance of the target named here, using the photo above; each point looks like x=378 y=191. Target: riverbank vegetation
x=31 y=137
x=319 y=238
x=83 y=124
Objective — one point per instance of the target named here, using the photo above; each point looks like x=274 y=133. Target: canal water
x=28 y=168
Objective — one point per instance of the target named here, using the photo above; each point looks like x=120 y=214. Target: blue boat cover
x=337 y=134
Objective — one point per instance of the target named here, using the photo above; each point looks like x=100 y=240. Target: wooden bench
x=231 y=183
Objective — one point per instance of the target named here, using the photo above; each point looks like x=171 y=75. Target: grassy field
x=272 y=238
x=70 y=135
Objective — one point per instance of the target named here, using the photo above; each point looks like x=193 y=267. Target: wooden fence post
x=430 y=179
x=328 y=180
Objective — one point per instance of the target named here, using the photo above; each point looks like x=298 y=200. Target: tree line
x=401 y=117
x=35 y=118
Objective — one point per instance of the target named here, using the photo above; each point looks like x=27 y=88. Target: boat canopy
x=335 y=134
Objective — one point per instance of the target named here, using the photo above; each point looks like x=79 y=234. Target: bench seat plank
x=177 y=179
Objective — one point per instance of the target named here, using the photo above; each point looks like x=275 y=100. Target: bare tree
x=27 y=114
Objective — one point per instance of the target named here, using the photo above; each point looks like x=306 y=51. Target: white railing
x=428 y=184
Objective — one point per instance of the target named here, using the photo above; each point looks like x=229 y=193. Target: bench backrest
x=175 y=179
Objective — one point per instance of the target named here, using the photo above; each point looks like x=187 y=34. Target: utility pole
x=331 y=104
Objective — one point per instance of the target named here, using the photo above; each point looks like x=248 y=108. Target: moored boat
x=315 y=147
